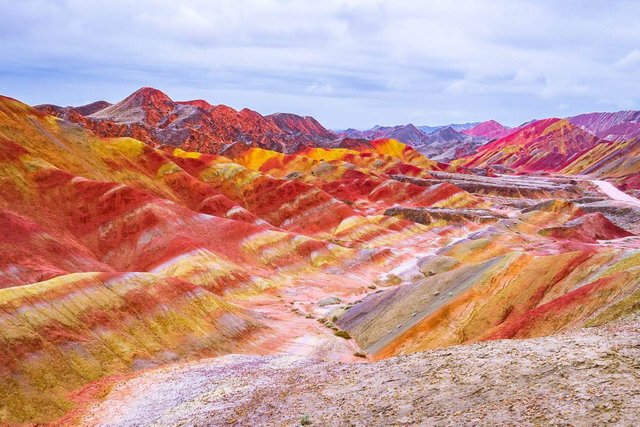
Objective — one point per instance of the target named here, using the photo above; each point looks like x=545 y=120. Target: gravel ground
x=585 y=377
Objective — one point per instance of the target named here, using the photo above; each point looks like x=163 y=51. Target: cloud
x=630 y=60
x=349 y=63
x=320 y=89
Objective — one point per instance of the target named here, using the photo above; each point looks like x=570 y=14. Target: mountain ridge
x=152 y=116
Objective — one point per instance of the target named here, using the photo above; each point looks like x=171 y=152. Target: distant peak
x=490 y=129
x=149 y=94
x=91 y=108
x=199 y=103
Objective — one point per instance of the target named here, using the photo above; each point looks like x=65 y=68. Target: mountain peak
x=490 y=129
x=148 y=94
x=199 y=103
x=145 y=104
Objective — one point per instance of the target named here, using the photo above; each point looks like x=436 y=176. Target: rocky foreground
x=586 y=377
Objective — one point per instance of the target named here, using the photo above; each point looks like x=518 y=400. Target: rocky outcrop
x=431 y=215
x=153 y=117
x=587 y=228
x=510 y=186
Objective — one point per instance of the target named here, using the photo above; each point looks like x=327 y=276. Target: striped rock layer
x=117 y=256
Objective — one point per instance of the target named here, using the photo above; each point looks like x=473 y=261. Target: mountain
x=455 y=126
x=489 y=129
x=447 y=144
x=409 y=134
x=604 y=145
x=623 y=125
x=68 y=112
x=300 y=126
x=544 y=145
x=123 y=261
x=442 y=143
x=153 y=117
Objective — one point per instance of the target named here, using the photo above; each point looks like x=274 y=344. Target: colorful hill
x=204 y=250
x=616 y=161
x=118 y=255
x=489 y=129
x=511 y=274
x=544 y=145
x=570 y=146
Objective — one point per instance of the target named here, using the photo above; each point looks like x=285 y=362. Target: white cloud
x=350 y=63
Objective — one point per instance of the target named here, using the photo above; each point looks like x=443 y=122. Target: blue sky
x=347 y=63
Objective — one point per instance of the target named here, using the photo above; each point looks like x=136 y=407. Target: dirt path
x=611 y=191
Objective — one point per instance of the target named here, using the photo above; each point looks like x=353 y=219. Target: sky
x=347 y=63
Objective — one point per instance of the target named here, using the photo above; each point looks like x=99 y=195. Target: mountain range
x=151 y=116
x=175 y=262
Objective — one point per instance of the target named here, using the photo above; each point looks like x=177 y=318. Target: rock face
x=623 y=125
x=431 y=215
x=435 y=264
x=301 y=126
x=153 y=117
x=587 y=228
x=511 y=186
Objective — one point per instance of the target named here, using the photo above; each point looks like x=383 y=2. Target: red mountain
x=489 y=129
x=151 y=116
x=543 y=145
x=298 y=125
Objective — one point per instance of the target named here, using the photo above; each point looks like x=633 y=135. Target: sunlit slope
x=306 y=194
